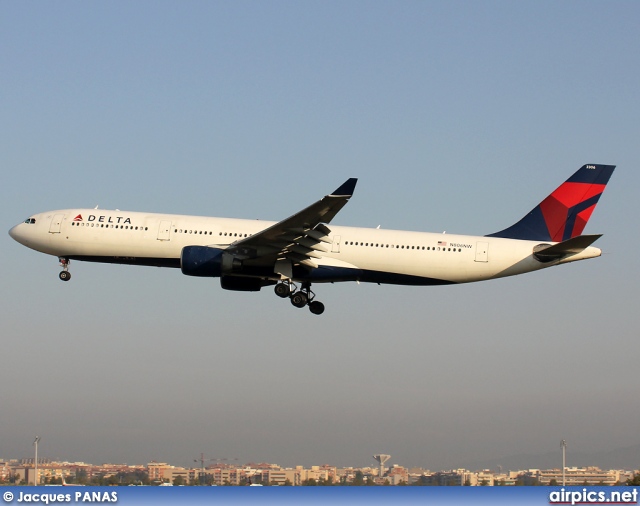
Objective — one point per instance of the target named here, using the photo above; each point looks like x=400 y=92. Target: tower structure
x=563 y=445
x=381 y=460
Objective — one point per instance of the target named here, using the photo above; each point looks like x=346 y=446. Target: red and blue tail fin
x=564 y=213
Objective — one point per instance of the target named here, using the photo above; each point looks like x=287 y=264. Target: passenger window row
x=201 y=232
x=185 y=231
x=107 y=225
x=234 y=234
x=400 y=246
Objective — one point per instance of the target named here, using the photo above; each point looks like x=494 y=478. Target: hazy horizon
x=456 y=117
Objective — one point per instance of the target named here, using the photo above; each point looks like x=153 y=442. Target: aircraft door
x=56 y=223
x=164 y=230
x=482 y=251
x=335 y=248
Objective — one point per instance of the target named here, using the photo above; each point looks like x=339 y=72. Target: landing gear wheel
x=282 y=290
x=299 y=299
x=65 y=275
x=316 y=307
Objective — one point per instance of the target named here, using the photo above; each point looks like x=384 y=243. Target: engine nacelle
x=208 y=262
x=201 y=261
x=241 y=284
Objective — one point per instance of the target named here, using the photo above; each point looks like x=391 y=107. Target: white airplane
x=248 y=254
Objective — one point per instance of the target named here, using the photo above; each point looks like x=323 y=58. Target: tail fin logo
x=567 y=210
x=563 y=214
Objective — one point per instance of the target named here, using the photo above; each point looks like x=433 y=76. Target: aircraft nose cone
x=16 y=235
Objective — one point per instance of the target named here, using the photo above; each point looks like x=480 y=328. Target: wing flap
x=320 y=236
x=309 y=263
x=297 y=248
x=312 y=244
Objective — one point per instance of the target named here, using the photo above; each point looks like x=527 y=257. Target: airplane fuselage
x=354 y=254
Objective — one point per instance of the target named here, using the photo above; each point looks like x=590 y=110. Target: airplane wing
x=297 y=239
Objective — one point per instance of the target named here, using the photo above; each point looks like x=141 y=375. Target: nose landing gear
x=64 y=275
x=299 y=298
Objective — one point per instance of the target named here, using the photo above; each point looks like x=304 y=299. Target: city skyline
x=53 y=472
x=619 y=458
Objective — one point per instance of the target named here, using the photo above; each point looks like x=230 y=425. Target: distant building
x=172 y=473
x=5 y=471
x=317 y=473
x=453 y=478
x=280 y=477
x=506 y=479
x=46 y=472
x=228 y=475
x=573 y=476
x=345 y=474
x=396 y=475
x=156 y=471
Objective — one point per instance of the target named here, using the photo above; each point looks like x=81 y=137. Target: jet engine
x=201 y=261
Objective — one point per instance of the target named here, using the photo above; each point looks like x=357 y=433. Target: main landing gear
x=64 y=275
x=299 y=298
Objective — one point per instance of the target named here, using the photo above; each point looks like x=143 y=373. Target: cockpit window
x=30 y=220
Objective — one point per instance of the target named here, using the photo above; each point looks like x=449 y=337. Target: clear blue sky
x=456 y=116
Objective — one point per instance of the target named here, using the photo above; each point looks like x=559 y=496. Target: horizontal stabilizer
x=550 y=252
